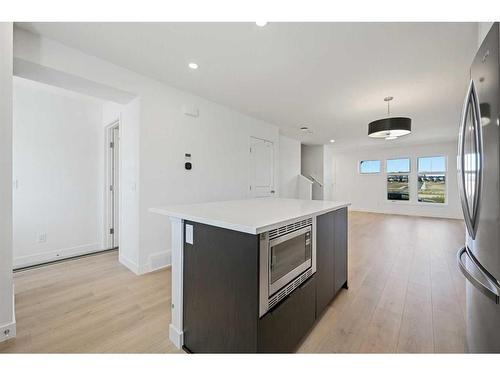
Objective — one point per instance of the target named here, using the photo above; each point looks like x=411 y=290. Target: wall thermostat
x=187 y=162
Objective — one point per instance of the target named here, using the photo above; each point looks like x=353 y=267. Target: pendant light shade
x=389 y=128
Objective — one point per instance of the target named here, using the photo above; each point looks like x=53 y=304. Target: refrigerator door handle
x=492 y=291
x=471 y=218
x=478 y=138
x=461 y=162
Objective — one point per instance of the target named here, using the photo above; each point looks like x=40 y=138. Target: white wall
x=368 y=192
x=327 y=173
x=58 y=173
x=317 y=162
x=312 y=164
x=218 y=140
x=7 y=316
x=289 y=167
x=312 y=161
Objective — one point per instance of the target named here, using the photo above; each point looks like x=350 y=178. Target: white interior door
x=113 y=186
x=261 y=168
x=116 y=185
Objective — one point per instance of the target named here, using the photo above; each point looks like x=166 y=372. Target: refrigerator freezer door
x=483 y=322
x=483 y=315
x=485 y=73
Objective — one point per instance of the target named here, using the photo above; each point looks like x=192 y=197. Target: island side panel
x=221 y=270
x=325 y=258
x=176 y=325
x=341 y=249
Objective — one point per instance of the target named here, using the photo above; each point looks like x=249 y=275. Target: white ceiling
x=331 y=77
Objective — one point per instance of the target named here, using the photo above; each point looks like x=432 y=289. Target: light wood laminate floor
x=405 y=295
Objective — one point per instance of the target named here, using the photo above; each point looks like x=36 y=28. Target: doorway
x=261 y=168
x=112 y=187
x=58 y=174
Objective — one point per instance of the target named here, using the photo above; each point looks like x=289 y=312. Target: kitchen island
x=253 y=275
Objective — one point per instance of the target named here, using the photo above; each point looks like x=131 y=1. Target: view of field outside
x=432 y=179
x=398 y=188
x=431 y=188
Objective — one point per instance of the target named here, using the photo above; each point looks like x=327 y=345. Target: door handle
x=478 y=138
x=470 y=216
x=461 y=162
x=492 y=291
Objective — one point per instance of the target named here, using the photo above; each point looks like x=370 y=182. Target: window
x=369 y=166
x=398 y=165
x=432 y=179
x=398 y=187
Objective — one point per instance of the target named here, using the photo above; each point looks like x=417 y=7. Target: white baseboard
x=155 y=262
x=8 y=331
x=159 y=260
x=132 y=266
x=176 y=336
x=49 y=256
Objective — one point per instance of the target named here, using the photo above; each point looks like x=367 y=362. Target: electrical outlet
x=41 y=237
x=7 y=332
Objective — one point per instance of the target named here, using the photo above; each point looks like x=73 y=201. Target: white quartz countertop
x=252 y=216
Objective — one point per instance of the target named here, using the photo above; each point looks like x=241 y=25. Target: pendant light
x=391 y=127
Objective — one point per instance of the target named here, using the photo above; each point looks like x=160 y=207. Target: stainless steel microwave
x=287 y=259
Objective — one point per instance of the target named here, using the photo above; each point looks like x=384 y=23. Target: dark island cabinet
x=281 y=330
x=331 y=256
x=221 y=290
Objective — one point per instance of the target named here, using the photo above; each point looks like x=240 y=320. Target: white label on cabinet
x=189 y=234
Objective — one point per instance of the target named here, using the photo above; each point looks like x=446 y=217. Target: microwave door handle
x=461 y=163
x=492 y=291
x=478 y=139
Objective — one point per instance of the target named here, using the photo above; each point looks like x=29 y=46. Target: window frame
x=408 y=174
x=445 y=203
x=369 y=173
x=399 y=158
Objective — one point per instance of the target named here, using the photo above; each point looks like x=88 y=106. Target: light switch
x=189 y=234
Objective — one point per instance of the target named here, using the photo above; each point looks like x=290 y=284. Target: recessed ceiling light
x=304 y=128
x=261 y=23
x=332 y=140
x=193 y=65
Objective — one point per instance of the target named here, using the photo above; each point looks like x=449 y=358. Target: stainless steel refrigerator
x=478 y=178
